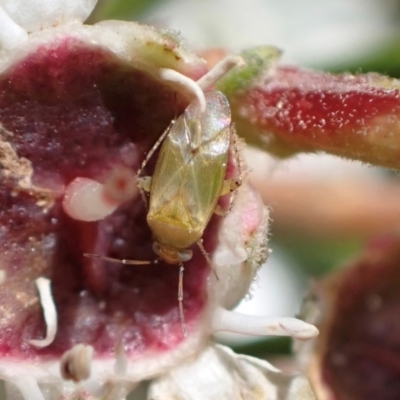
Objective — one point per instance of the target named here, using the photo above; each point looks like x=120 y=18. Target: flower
x=80 y=106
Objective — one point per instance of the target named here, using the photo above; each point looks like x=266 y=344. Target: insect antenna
x=117 y=260
x=180 y=300
x=155 y=147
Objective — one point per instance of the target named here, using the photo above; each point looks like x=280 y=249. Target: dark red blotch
x=72 y=110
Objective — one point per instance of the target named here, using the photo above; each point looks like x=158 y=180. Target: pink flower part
x=74 y=111
x=354 y=116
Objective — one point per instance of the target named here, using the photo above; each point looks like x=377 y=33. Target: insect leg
x=155 y=147
x=239 y=180
x=231 y=185
x=144 y=183
x=207 y=257
x=117 y=260
x=180 y=300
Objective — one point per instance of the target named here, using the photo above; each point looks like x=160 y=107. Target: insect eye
x=185 y=255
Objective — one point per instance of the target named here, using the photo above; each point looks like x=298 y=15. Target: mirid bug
x=188 y=179
x=189 y=176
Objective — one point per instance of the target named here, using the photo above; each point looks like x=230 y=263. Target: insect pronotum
x=189 y=176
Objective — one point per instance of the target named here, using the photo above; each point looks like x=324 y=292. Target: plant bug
x=189 y=176
x=188 y=180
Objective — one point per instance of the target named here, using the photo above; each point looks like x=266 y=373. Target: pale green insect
x=188 y=179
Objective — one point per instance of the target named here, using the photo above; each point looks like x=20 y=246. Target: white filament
x=29 y=388
x=229 y=321
x=219 y=70
x=49 y=311
x=121 y=360
x=186 y=83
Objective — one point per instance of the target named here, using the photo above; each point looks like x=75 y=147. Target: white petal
x=34 y=15
x=290 y=386
x=242 y=247
x=218 y=373
x=11 y=34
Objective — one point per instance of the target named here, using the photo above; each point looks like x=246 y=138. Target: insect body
x=188 y=180
x=189 y=177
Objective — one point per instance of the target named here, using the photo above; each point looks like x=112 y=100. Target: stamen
x=180 y=300
x=121 y=360
x=84 y=200
x=11 y=34
x=76 y=363
x=49 y=311
x=185 y=82
x=88 y=200
x=219 y=70
x=230 y=321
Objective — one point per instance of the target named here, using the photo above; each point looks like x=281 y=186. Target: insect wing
x=209 y=160
x=169 y=217
x=191 y=166
x=166 y=201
